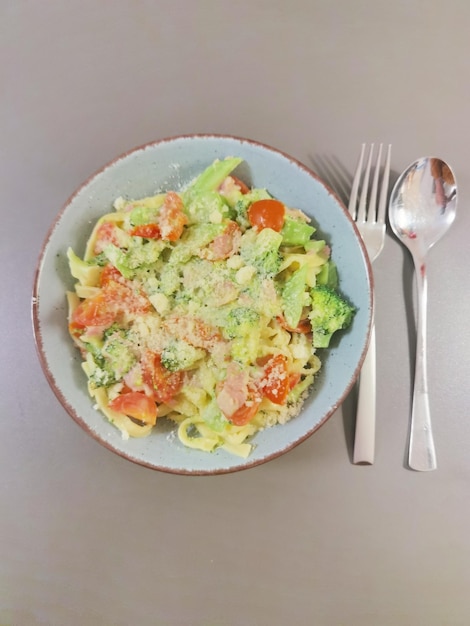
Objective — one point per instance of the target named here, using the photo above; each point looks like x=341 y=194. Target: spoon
x=422 y=207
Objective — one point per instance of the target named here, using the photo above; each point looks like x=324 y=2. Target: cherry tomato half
x=135 y=404
x=172 y=217
x=245 y=413
x=267 y=213
x=148 y=231
x=94 y=311
x=163 y=384
x=275 y=382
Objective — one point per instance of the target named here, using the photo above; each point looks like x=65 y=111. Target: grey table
x=89 y=538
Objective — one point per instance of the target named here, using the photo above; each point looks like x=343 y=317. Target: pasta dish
x=205 y=306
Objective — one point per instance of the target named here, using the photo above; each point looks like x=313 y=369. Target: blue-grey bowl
x=170 y=164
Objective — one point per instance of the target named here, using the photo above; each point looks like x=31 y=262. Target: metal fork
x=370 y=221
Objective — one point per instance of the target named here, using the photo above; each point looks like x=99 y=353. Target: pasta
x=201 y=307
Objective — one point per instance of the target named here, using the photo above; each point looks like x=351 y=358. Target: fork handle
x=364 y=441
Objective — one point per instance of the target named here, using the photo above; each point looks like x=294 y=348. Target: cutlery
x=370 y=221
x=422 y=207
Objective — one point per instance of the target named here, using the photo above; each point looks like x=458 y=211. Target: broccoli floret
x=329 y=313
x=180 y=355
x=240 y=322
x=102 y=376
x=111 y=359
x=117 y=354
x=170 y=279
x=261 y=250
x=243 y=329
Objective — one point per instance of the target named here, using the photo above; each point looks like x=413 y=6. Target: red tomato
x=122 y=297
x=109 y=273
x=106 y=233
x=193 y=330
x=113 y=299
x=136 y=404
x=245 y=413
x=148 y=231
x=293 y=380
x=275 y=382
x=267 y=213
x=172 y=218
x=163 y=384
x=76 y=330
x=94 y=311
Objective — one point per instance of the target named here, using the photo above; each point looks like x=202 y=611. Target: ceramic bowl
x=170 y=164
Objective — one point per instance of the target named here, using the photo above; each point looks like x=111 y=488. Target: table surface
x=87 y=537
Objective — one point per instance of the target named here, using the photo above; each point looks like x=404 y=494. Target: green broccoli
x=241 y=326
x=117 y=355
x=180 y=355
x=329 y=313
x=240 y=322
x=261 y=250
x=111 y=358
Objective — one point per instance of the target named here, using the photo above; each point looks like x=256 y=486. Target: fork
x=370 y=221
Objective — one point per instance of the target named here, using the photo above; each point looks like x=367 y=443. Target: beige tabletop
x=88 y=538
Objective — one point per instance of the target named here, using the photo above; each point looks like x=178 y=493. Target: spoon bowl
x=422 y=207
x=423 y=203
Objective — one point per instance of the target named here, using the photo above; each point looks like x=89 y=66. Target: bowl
x=169 y=164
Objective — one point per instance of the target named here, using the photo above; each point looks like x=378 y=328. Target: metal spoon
x=423 y=203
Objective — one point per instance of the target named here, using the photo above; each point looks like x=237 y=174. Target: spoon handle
x=421 y=455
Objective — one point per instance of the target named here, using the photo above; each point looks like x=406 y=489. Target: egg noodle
x=198 y=306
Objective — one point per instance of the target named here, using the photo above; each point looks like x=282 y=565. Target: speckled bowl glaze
x=170 y=164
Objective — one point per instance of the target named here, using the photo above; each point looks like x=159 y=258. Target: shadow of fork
x=334 y=174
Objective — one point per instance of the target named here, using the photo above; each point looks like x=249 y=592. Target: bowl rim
x=41 y=352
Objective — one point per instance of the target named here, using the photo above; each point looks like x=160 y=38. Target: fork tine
x=371 y=213
x=384 y=189
x=355 y=185
x=361 y=213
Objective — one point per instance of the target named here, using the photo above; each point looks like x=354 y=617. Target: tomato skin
x=172 y=218
x=148 y=231
x=108 y=274
x=162 y=384
x=76 y=330
x=94 y=311
x=275 y=384
x=116 y=296
x=135 y=404
x=245 y=413
x=120 y=296
x=293 y=380
x=106 y=233
x=267 y=213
